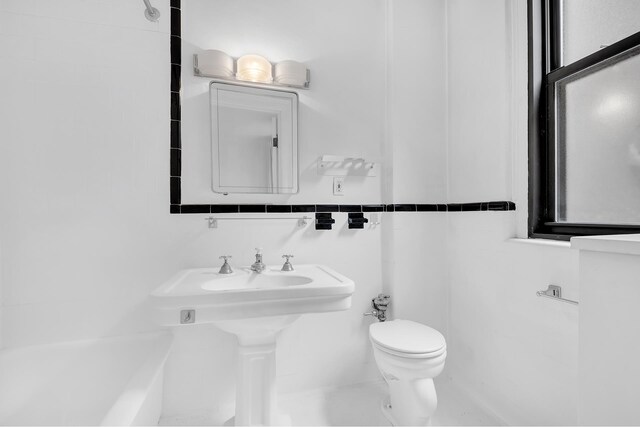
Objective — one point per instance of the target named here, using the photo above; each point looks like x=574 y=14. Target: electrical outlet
x=338 y=186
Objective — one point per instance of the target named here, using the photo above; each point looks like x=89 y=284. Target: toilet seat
x=407 y=339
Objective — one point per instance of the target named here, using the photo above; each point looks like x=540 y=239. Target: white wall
x=609 y=327
x=86 y=232
x=342 y=113
x=84 y=168
x=515 y=352
x=414 y=264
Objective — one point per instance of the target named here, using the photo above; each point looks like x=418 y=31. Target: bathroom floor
x=359 y=405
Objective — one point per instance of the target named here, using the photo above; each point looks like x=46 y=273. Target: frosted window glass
x=587 y=25
x=598 y=128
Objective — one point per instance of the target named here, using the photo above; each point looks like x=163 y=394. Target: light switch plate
x=338 y=186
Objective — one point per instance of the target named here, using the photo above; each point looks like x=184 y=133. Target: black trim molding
x=324 y=210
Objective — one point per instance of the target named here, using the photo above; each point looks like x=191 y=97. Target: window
x=584 y=86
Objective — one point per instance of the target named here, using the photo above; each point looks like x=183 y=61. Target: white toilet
x=409 y=355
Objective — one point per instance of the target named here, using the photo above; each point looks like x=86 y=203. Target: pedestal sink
x=254 y=307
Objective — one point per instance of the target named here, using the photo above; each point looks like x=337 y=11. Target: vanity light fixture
x=251 y=68
x=254 y=68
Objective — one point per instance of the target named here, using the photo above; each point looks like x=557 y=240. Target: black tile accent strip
x=176 y=162
x=404 y=208
x=175 y=134
x=175 y=77
x=303 y=208
x=176 y=24
x=225 y=208
x=253 y=208
x=195 y=209
x=372 y=208
x=175 y=3
x=278 y=208
x=426 y=208
x=498 y=206
x=176 y=50
x=350 y=208
x=468 y=207
x=175 y=106
x=174 y=209
x=390 y=208
x=327 y=208
x=175 y=195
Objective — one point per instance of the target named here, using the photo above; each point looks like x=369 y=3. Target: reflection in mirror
x=254 y=139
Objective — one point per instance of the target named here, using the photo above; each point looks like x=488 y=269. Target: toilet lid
x=406 y=336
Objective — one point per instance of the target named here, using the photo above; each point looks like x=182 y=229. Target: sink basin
x=249 y=281
x=245 y=294
x=255 y=308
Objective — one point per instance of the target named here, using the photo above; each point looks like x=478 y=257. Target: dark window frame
x=545 y=69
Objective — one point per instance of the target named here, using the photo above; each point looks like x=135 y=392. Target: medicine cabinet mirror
x=254 y=139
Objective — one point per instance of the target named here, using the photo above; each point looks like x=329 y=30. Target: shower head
x=151 y=13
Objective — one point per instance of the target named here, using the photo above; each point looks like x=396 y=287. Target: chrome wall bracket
x=555 y=292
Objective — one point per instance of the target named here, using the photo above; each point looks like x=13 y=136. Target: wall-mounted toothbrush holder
x=342 y=166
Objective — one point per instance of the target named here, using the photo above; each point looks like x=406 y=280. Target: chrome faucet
x=226 y=268
x=258 y=266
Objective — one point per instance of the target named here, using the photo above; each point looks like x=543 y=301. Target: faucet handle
x=287 y=264
x=258 y=251
x=226 y=268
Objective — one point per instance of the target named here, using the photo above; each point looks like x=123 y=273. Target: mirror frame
x=292 y=96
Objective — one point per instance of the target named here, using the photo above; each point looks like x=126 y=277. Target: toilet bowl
x=409 y=355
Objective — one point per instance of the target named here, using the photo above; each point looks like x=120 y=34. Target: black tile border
x=175 y=163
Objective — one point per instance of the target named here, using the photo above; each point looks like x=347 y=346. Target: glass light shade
x=215 y=63
x=291 y=73
x=254 y=68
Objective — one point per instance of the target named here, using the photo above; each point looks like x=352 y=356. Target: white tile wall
x=515 y=352
x=85 y=230
x=342 y=113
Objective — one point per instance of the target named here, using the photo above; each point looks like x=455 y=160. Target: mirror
x=254 y=139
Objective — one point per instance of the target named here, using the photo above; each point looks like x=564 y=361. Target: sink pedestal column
x=256 y=394
x=256 y=400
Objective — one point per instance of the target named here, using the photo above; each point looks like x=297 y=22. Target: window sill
x=542 y=242
x=628 y=244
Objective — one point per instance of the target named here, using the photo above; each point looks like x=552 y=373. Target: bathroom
x=105 y=172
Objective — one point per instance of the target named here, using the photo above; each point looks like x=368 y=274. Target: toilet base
x=385 y=407
x=387 y=411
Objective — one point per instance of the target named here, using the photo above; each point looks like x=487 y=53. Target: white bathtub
x=112 y=381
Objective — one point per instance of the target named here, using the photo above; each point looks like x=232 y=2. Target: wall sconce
x=251 y=68
x=254 y=68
